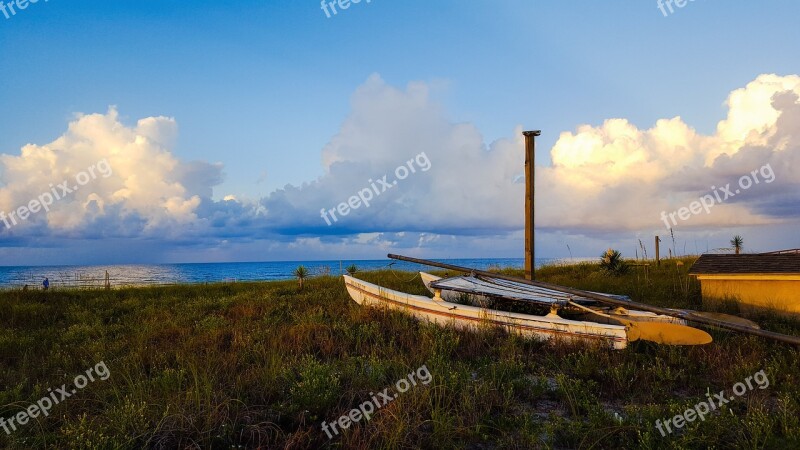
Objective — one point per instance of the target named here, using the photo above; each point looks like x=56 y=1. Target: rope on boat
x=392 y=271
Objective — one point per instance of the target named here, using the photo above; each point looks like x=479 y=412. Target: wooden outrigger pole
x=691 y=316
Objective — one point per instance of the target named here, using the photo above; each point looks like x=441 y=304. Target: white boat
x=437 y=310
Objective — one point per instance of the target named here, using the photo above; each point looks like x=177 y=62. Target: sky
x=166 y=131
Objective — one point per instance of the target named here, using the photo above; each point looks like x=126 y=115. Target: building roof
x=784 y=252
x=749 y=263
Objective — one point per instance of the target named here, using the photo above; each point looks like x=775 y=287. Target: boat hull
x=550 y=327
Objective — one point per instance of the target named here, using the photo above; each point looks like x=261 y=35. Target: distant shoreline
x=141 y=275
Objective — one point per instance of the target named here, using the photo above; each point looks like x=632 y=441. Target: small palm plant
x=301 y=273
x=611 y=263
x=352 y=269
x=737 y=243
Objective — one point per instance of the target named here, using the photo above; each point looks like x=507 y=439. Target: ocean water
x=160 y=274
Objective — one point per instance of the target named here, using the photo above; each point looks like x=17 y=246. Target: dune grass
x=249 y=365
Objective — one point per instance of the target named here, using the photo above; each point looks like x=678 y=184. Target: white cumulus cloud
x=146 y=192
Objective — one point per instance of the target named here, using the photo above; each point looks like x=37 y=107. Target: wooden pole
x=658 y=257
x=681 y=314
x=530 y=153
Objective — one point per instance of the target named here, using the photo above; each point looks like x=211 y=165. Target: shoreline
x=97 y=283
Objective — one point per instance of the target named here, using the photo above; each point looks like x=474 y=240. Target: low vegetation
x=611 y=263
x=248 y=365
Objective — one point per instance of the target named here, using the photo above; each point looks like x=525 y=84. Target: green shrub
x=611 y=263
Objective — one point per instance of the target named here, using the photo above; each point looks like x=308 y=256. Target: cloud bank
x=618 y=177
x=612 y=178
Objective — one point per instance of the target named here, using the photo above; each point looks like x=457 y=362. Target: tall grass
x=261 y=365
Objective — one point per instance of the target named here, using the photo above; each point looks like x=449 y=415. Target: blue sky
x=263 y=89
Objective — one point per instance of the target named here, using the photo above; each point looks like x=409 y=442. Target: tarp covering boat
x=496 y=287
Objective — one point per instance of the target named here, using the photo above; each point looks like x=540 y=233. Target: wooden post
x=658 y=258
x=530 y=153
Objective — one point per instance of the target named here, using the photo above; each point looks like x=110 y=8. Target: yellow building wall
x=780 y=293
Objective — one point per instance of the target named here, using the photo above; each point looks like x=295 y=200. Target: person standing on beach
x=46 y=283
